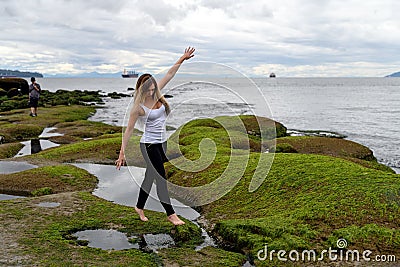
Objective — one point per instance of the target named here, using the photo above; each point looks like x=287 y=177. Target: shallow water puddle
x=8 y=197
x=122 y=187
x=7 y=167
x=105 y=239
x=48 y=204
x=36 y=145
x=115 y=240
x=46 y=133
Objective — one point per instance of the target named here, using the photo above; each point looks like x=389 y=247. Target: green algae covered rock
x=328 y=146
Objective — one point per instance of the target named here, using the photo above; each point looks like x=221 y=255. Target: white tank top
x=154 y=125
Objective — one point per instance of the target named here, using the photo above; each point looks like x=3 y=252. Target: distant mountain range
x=28 y=74
x=17 y=73
x=396 y=74
x=95 y=74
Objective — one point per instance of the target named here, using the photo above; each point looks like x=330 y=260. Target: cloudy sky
x=293 y=38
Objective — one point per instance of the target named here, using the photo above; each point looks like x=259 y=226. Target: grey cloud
x=6 y=11
x=152 y=34
x=240 y=8
x=222 y=4
x=161 y=12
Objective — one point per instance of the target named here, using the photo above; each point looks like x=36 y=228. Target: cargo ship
x=129 y=74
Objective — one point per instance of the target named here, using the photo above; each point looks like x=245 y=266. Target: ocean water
x=366 y=110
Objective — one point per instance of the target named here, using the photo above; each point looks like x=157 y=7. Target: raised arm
x=172 y=71
x=127 y=135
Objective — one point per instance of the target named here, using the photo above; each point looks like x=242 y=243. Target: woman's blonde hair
x=142 y=87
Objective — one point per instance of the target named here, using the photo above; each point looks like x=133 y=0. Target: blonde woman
x=151 y=107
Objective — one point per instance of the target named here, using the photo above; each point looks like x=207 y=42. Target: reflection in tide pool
x=7 y=167
x=122 y=187
x=34 y=146
x=47 y=132
x=105 y=239
x=115 y=240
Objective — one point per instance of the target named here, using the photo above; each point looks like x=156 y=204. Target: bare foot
x=174 y=219
x=141 y=214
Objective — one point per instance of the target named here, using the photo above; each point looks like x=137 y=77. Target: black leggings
x=154 y=155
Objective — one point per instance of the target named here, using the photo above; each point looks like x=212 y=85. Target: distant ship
x=272 y=75
x=129 y=74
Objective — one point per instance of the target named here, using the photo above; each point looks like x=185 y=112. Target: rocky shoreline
x=319 y=189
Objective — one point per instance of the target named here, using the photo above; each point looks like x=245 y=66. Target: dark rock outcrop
x=11 y=83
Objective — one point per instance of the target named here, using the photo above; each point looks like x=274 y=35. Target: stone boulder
x=326 y=146
x=8 y=84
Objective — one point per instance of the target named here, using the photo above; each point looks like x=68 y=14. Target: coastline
x=73 y=122
x=364 y=109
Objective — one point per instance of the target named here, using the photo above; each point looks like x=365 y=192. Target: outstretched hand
x=172 y=71
x=188 y=53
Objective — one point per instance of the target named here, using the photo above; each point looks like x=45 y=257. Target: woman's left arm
x=172 y=71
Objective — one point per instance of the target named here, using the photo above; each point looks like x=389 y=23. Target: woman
x=151 y=107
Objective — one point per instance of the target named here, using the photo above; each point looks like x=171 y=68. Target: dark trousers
x=33 y=102
x=154 y=155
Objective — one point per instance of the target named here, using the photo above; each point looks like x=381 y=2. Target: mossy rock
x=206 y=257
x=65 y=139
x=284 y=148
x=265 y=127
x=47 y=180
x=253 y=125
x=228 y=133
x=13 y=92
x=86 y=129
x=372 y=164
x=186 y=233
x=303 y=202
x=48 y=117
x=43 y=236
x=14 y=103
x=42 y=191
x=19 y=83
x=15 y=132
x=61 y=97
x=278 y=232
x=65 y=97
x=328 y=146
x=115 y=95
x=102 y=151
x=9 y=150
x=3 y=92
